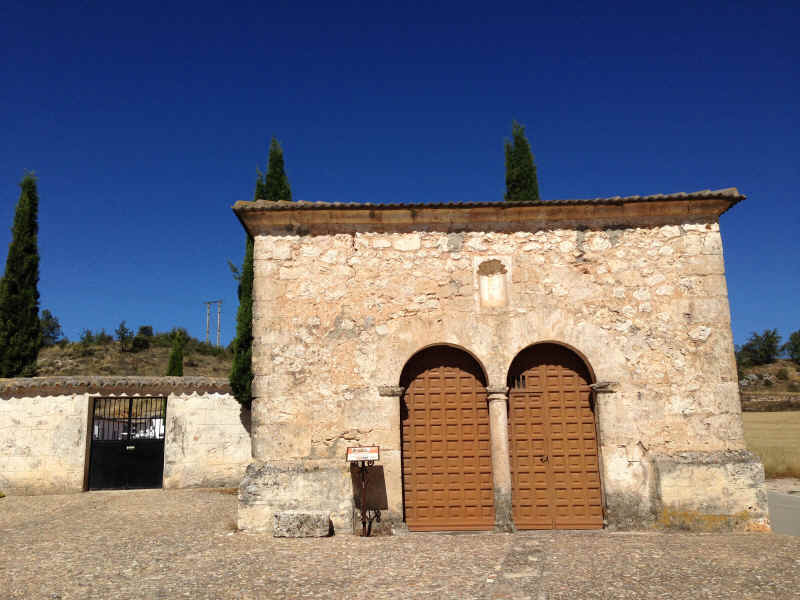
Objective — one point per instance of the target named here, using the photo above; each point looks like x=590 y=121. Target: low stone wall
x=44 y=431
x=760 y=402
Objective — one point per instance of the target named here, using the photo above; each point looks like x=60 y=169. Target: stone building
x=562 y=364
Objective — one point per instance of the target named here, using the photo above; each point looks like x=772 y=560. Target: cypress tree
x=20 y=330
x=242 y=370
x=521 y=181
x=175 y=366
x=274 y=185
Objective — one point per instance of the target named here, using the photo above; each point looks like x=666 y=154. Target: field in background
x=775 y=438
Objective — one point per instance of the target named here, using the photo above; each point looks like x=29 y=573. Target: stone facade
x=345 y=295
x=44 y=431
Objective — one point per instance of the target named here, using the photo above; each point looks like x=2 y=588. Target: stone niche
x=346 y=294
x=492 y=276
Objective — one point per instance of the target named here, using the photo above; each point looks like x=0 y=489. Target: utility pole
x=208 y=314
x=219 y=320
x=208 y=304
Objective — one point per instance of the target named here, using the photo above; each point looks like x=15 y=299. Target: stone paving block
x=296 y=523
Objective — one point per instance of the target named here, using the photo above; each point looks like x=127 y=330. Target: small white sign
x=363 y=453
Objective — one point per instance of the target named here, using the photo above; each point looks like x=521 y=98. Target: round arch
x=406 y=375
x=521 y=356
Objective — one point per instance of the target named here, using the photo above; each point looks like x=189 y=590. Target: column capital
x=604 y=387
x=497 y=392
x=391 y=391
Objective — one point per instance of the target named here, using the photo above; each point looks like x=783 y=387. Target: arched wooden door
x=553 y=441
x=447 y=463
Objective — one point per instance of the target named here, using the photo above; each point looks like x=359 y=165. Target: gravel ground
x=182 y=544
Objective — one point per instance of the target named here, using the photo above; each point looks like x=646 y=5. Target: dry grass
x=775 y=438
x=107 y=359
x=791 y=383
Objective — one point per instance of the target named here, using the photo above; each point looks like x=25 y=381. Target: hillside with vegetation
x=145 y=353
x=766 y=366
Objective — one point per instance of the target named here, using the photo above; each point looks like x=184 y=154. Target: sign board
x=355 y=454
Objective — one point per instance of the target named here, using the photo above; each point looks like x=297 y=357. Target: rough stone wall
x=207 y=444
x=339 y=312
x=43 y=438
x=42 y=444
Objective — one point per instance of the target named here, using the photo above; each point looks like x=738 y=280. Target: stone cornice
x=261 y=216
x=128 y=385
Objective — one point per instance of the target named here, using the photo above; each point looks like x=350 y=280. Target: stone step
x=299 y=523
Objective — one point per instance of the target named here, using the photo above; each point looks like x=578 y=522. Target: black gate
x=127 y=443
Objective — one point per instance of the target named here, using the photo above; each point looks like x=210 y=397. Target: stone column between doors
x=501 y=461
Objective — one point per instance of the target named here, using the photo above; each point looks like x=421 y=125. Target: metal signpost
x=365 y=456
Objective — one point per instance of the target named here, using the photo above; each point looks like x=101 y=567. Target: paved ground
x=784 y=513
x=181 y=544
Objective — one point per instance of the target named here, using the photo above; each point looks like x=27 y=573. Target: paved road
x=784 y=513
x=182 y=544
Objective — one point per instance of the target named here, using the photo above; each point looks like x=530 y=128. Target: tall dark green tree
x=521 y=180
x=20 y=330
x=272 y=185
x=242 y=370
x=175 y=365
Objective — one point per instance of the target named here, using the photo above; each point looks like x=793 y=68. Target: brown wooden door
x=447 y=464
x=553 y=442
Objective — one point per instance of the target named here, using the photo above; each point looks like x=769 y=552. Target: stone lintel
x=391 y=391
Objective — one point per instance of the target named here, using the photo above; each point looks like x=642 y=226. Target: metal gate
x=553 y=442
x=127 y=443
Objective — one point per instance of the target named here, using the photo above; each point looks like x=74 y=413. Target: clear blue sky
x=146 y=122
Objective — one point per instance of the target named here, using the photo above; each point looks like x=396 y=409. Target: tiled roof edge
x=122 y=384
x=726 y=193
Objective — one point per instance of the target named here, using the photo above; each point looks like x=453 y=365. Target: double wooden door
x=553 y=442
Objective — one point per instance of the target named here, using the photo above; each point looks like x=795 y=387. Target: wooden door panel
x=553 y=444
x=447 y=478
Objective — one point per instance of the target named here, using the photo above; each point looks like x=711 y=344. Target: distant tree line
x=765 y=348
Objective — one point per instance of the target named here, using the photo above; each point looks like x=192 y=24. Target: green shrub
x=145 y=331
x=140 y=343
x=102 y=338
x=794 y=387
x=760 y=349
x=2 y=495
x=792 y=347
x=782 y=374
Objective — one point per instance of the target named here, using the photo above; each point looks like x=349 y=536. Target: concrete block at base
x=271 y=487
x=711 y=491
x=297 y=524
